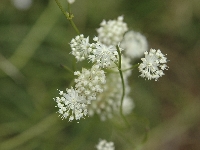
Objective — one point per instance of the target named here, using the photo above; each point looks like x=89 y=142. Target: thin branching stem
x=131 y=68
x=123 y=87
x=68 y=15
x=67 y=68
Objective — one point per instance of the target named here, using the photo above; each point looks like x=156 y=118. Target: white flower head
x=71 y=105
x=71 y=1
x=104 y=145
x=112 y=31
x=90 y=82
x=102 y=55
x=153 y=64
x=134 y=44
x=108 y=102
x=81 y=47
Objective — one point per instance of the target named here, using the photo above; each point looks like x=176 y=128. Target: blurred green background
x=33 y=44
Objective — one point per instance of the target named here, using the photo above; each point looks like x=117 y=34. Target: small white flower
x=90 y=82
x=71 y=105
x=112 y=31
x=153 y=65
x=81 y=47
x=134 y=44
x=104 y=145
x=102 y=55
x=71 y=1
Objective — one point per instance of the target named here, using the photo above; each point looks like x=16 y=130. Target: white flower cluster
x=104 y=145
x=134 y=43
x=108 y=102
x=104 y=56
x=81 y=47
x=97 y=93
x=93 y=91
x=71 y=105
x=153 y=65
x=90 y=82
x=112 y=31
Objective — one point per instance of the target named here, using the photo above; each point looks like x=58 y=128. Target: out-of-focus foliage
x=33 y=44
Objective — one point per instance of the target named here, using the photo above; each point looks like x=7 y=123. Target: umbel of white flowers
x=90 y=82
x=104 y=56
x=153 y=64
x=134 y=44
x=88 y=93
x=108 y=102
x=104 y=145
x=71 y=105
x=81 y=47
x=111 y=32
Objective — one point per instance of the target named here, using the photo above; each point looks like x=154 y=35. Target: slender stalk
x=74 y=26
x=67 y=68
x=131 y=68
x=68 y=15
x=123 y=87
x=70 y=19
x=69 y=8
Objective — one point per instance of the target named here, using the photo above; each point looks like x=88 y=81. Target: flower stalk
x=68 y=15
x=123 y=87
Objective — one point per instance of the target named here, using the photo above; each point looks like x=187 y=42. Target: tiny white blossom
x=90 y=82
x=134 y=44
x=153 y=64
x=71 y=105
x=102 y=55
x=71 y=1
x=112 y=31
x=95 y=38
x=81 y=47
x=104 y=145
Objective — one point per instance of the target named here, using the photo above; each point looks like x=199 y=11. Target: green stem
x=123 y=87
x=131 y=68
x=74 y=26
x=67 y=68
x=68 y=15
x=61 y=8
x=69 y=8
